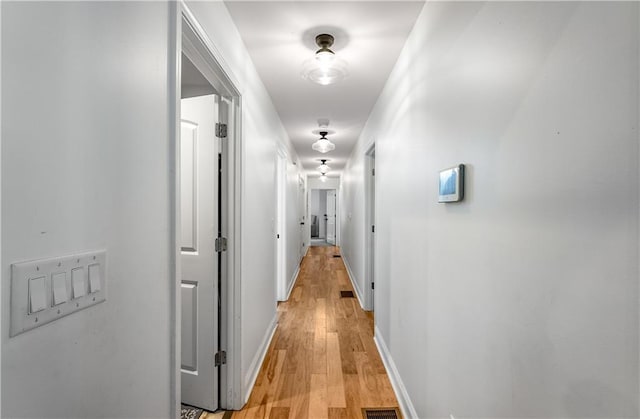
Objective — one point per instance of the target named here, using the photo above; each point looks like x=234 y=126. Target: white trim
x=223 y=80
x=353 y=281
x=292 y=282
x=281 y=223
x=408 y=411
x=175 y=278
x=1 y=199
x=256 y=364
x=212 y=49
x=369 y=220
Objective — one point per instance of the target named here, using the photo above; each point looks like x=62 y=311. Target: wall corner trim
x=408 y=411
x=292 y=282
x=354 y=282
x=258 y=359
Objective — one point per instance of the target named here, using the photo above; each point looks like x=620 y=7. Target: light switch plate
x=40 y=289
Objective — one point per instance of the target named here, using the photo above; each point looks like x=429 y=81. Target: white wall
x=85 y=156
x=85 y=165
x=521 y=301
x=262 y=131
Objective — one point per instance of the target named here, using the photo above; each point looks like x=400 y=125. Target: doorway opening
x=323 y=217
x=204 y=177
x=370 y=227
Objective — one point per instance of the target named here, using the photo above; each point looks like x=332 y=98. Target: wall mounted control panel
x=47 y=289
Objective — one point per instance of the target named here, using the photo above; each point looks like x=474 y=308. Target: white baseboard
x=292 y=282
x=258 y=359
x=353 y=282
x=408 y=411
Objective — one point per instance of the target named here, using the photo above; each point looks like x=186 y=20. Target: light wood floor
x=322 y=362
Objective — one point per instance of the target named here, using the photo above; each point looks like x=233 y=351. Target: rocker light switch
x=77 y=283
x=94 y=278
x=37 y=292
x=59 y=288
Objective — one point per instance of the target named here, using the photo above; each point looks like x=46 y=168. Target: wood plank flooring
x=322 y=362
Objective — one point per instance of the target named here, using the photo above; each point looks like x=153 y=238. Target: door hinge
x=221 y=244
x=220 y=358
x=373 y=286
x=373 y=172
x=373 y=229
x=221 y=130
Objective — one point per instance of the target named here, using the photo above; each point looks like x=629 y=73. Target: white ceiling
x=280 y=36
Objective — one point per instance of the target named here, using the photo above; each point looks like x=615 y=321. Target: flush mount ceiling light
x=323 y=145
x=324 y=68
x=323 y=168
x=323 y=178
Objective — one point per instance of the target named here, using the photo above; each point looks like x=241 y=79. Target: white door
x=199 y=150
x=331 y=216
x=302 y=210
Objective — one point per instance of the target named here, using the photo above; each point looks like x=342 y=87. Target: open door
x=331 y=216
x=200 y=200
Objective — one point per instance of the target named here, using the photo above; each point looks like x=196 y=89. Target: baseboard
x=254 y=369
x=292 y=282
x=408 y=411
x=353 y=282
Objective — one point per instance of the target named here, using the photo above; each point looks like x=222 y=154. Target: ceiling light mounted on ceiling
x=323 y=178
x=324 y=68
x=323 y=168
x=323 y=145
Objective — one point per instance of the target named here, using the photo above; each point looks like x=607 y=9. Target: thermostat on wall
x=451 y=184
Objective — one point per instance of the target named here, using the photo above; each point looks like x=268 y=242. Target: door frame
x=369 y=220
x=185 y=30
x=308 y=210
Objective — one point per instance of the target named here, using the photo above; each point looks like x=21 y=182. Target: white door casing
x=302 y=211
x=331 y=216
x=199 y=221
x=281 y=226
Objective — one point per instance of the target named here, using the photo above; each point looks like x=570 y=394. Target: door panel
x=189 y=326
x=199 y=203
x=188 y=181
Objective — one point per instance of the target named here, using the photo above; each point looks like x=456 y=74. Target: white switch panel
x=45 y=290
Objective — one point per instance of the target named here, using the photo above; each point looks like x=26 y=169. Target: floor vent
x=336 y=256
x=386 y=413
x=347 y=294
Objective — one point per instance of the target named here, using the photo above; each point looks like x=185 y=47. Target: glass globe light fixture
x=323 y=178
x=323 y=168
x=323 y=145
x=324 y=67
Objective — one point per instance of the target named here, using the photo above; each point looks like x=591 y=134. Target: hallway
x=322 y=362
